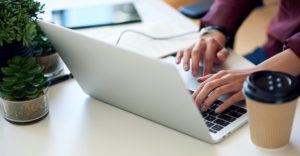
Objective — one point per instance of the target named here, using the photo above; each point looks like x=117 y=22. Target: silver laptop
x=147 y=87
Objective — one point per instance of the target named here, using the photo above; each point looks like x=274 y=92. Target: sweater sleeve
x=229 y=14
x=293 y=42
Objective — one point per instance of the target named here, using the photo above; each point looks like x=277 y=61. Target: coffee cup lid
x=271 y=87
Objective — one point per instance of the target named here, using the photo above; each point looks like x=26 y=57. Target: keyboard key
x=235 y=114
x=221 y=122
x=226 y=111
x=213 y=113
x=213 y=131
x=204 y=115
x=210 y=118
x=209 y=124
x=218 y=102
x=234 y=108
x=226 y=117
x=209 y=110
x=242 y=110
x=213 y=107
x=216 y=127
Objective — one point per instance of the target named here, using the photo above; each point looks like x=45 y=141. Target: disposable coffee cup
x=271 y=99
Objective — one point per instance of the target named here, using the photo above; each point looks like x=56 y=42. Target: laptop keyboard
x=217 y=121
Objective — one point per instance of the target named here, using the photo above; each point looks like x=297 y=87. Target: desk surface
x=158 y=20
x=78 y=125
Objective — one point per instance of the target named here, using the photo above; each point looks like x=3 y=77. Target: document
x=159 y=48
x=146 y=46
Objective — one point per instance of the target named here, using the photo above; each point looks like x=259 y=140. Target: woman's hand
x=215 y=85
x=208 y=50
x=231 y=81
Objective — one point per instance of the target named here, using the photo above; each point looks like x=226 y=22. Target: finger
x=197 y=52
x=208 y=78
x=222 y=55
x=219 y=91
x=209 y=57
x=206 y=90
x=196 y=92
x=204 y=96
x=230 y=101
x=203 y=78
x=179 y=56
x=186 y=58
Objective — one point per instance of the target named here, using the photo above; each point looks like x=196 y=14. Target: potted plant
x=46 y=54
x=17 y=26
x=23 y=90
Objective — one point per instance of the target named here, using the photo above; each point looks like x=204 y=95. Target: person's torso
x=283 y=25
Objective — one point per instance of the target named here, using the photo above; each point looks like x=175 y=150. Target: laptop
x=147 y=87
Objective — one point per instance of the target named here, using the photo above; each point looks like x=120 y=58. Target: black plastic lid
x=271 y=87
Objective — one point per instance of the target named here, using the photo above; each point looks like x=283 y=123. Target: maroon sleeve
x=294 y=43
x=228 y=14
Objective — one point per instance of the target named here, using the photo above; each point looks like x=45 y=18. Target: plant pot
x=9 y=50
x=51 y=63
x=26 y=111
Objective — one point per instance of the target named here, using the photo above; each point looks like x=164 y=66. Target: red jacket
x=283 y=31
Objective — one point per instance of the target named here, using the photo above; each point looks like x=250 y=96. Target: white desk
x=78 y=125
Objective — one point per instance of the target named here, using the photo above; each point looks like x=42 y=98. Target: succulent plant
x=23 y=79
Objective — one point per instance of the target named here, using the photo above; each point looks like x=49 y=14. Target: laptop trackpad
x=190 y=81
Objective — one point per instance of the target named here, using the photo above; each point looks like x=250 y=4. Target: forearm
x=286 y=61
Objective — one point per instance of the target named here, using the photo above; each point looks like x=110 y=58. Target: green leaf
x=37 y=82
x=37 y=69
x=14 y=67
x=20 y=75
x=17 y=60
x=19 y=95
x=30 y=63
x=32 y=96
x=7 y=71
x=6 y=90
x=8 y=81
x=28 y=78
x=19 y=86
x=31 y=91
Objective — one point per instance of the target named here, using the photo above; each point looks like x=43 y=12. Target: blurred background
x=252 y=33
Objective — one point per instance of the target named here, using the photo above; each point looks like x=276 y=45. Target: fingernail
x=203 y=108
x=199 y=80
x=195 y=73
x=218 y=110
x=186 y=67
